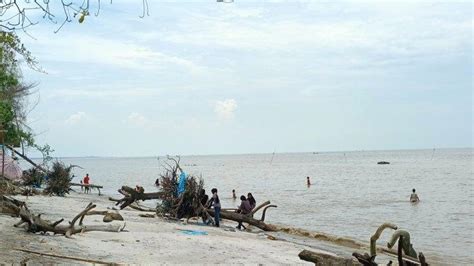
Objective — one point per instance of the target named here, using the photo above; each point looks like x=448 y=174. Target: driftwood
x=108 y=216
x=131 y=195
x=34 y=223
x=10 y=206
x=376 y=235
x=98 y=187
x=64 y=257
x=134 y=205
x=319 y=258
x=365 y=259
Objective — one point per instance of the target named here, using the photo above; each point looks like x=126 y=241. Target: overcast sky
x=201 y=77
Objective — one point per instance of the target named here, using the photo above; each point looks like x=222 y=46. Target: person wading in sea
x=414 y=197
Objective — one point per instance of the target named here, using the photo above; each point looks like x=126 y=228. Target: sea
x=350 y=196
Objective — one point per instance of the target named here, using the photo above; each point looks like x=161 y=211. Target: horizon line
x=255 y=153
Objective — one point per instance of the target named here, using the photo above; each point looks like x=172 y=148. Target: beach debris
x=10 y=206
x=35 y=224
x=366 y=259
x=7 y=187
x=192 y=232
x=98 y=187
x=320 y=258
x=383 y=162
x=403 y=238
x=147 y=215
x=404 y=246
x=190 y=203
x=59 y=179
x=376 y=235
x=132 y=195
x=64 y=256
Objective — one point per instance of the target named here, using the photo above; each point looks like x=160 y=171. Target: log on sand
x=34 y=223
x=234 y=216
x=319 y=258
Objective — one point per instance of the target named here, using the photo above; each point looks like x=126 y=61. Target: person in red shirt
x=86 y=182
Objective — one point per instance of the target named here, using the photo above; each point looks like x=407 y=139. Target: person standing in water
x=234 y=197
x=308 y=182
x=414 y=196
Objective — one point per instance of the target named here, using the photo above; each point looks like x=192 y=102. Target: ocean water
x=350 y=197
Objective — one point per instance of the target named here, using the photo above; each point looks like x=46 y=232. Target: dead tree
x=132 y=195
x=35 y=224
x=248 y=218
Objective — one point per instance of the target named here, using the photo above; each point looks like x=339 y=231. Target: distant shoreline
x=241 y=154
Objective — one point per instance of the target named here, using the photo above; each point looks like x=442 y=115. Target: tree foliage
x=13 y=92
x=22 y=14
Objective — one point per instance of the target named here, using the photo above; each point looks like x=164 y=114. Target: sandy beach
x=144 y=241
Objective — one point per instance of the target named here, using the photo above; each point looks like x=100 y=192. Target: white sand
x=146 y=241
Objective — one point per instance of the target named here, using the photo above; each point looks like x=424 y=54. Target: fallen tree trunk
x=26 y=159
x=319 y=258
x=10 y=206
x=65 y=257
x=98 y=187
x=34 y=223
x=134 y=205
x=234 y=216
x=131 y=196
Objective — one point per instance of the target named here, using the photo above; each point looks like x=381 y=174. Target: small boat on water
x=383 y=162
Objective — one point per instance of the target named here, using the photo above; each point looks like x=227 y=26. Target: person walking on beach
x=86 y=183
x=216 y=203
x=414 y=197
x=251 y=200
x=234 y=197
x=243 y=209
x=308 y=182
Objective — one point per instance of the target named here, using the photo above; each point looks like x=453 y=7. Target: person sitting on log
x=251 y=200
x=243 y=209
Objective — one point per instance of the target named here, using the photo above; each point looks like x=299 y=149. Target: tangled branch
x=21 y=14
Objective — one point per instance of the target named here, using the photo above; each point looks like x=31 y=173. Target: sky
x=201 y=77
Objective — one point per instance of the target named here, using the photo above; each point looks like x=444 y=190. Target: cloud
x=74 y=119
x=137 y=119
x=225 y=109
